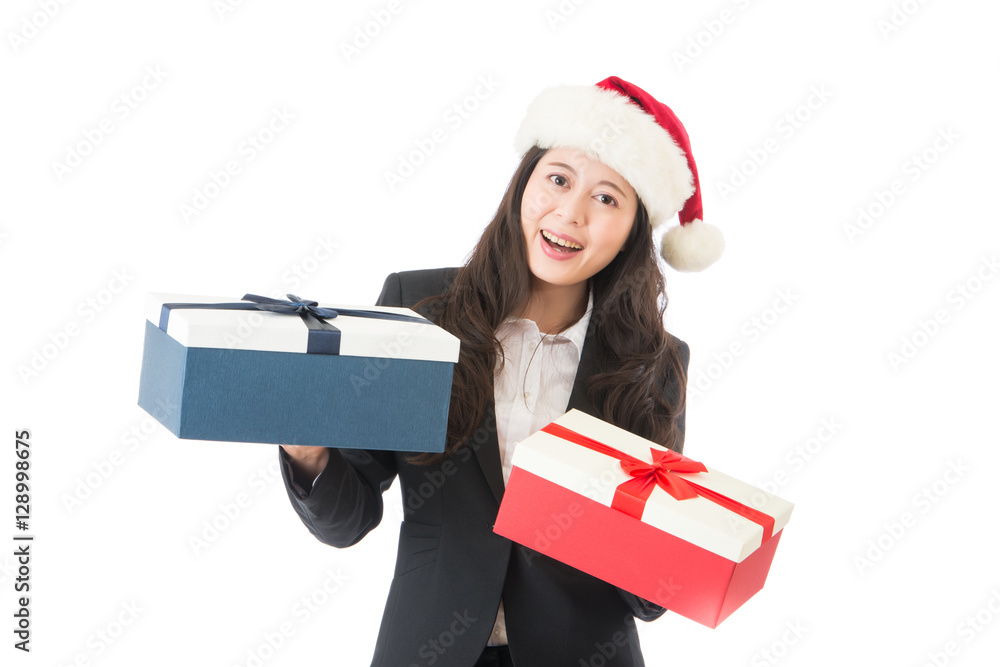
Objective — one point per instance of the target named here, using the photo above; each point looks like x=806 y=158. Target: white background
x=117 y=500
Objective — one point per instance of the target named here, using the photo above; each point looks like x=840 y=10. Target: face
x=576 y=214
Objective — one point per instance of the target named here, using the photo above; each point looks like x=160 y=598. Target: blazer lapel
x=488 y=453
x=588 y=366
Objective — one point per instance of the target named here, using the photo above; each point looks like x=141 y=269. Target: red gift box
x=641 y=517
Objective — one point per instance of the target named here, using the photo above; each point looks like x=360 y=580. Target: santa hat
x=624 y=127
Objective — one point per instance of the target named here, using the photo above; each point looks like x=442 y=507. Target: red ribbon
x=631 y=496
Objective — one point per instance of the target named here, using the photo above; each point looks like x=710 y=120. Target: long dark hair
x=638 y=357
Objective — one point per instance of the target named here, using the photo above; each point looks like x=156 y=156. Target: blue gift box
x=216 y=369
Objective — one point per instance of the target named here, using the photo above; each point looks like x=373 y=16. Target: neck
x=551 y=307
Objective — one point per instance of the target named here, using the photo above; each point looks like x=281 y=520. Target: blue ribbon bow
x=324 y=338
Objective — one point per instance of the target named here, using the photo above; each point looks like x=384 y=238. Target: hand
x=307 y=462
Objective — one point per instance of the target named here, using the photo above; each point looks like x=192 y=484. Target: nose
x=572 y=208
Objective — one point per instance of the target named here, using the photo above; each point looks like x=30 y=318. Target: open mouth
x=559 y=244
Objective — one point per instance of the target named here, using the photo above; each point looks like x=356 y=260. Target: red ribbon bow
x=661 y=473
x=631 y=496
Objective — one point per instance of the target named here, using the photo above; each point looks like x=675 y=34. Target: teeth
x=562 y=242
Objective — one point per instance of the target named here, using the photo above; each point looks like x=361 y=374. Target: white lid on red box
x=699 y=521
x=277 y=332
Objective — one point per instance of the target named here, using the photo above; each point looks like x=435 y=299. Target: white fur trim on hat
x=609 y=127
x=692 y=247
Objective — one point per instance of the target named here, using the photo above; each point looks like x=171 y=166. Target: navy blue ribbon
x=324 y=338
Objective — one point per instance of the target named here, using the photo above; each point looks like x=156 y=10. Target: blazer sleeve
x=344 y=503
x=678 y=389
x=641 y=608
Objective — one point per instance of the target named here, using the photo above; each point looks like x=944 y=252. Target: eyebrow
x=573 y=171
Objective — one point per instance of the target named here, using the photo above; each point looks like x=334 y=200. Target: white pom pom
x=692 y=247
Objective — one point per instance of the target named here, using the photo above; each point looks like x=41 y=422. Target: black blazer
x=451 y=568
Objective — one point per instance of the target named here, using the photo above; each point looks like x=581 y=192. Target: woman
x=560 y=306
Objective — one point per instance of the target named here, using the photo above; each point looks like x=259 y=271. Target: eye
x=607 y=199
x=559 y=180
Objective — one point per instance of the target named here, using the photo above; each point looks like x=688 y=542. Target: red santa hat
x=624 y=127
